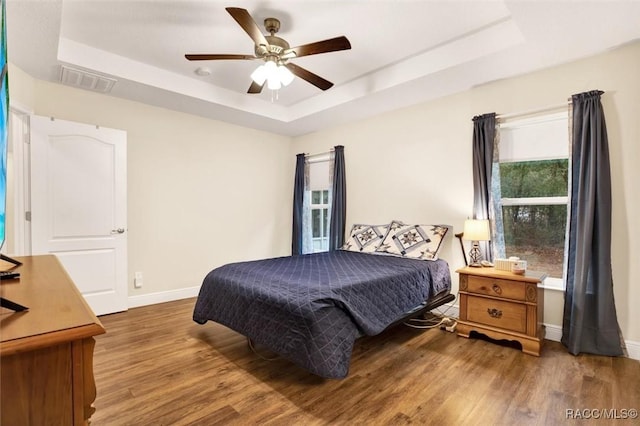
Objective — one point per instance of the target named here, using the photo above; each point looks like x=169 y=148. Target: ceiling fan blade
x=207 y=57
x=247 y=23
x=325 y=46
x=307 y=75
x=255 y=87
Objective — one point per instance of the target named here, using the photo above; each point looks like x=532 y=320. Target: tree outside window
x=534 y=212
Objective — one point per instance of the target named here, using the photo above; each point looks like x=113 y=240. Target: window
x=531 y=197
x=317 y=204
x=320 y=220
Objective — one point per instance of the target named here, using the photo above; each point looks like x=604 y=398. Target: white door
x=78 y=206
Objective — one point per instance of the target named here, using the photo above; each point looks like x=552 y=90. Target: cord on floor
x=433 y=320
x=250 y=343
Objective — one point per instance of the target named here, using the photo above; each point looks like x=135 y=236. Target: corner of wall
x=21 y=89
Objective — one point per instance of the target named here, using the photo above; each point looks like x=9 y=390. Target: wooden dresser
x=502 y=305
x=47 y=351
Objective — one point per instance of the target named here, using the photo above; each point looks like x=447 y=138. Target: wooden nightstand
x=502 y=305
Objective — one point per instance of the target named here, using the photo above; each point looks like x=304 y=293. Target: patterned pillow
x=413 y=241
x=365 y=238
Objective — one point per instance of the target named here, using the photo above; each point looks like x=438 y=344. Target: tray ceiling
x=403 y=52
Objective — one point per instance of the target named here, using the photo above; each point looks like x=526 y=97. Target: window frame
x=552 y=283
x=324 y=239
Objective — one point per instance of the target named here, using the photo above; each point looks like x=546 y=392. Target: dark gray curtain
x=339 y=202
x=298 y=198
x=590 y=323
x=484 y=132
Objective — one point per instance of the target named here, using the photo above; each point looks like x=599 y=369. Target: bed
x=311 y=308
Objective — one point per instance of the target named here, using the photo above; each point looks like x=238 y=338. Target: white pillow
x=365 y=238
x=413 y=241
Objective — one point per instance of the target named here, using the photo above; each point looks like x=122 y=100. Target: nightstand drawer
x=497 y=313
x=496 y=287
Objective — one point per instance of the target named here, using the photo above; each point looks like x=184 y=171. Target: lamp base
x=475 y=256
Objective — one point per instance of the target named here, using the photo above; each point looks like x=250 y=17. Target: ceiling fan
x=276 y=53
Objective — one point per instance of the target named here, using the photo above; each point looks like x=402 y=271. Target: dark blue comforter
x=311 y=308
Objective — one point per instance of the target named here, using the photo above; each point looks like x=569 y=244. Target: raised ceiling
x=403 y=52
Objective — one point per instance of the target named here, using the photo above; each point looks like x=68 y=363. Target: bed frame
x=436 y=302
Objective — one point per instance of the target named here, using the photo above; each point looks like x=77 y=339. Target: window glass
x=315 y=222
x=536 y=233
x=545 y=178
x=325 y=222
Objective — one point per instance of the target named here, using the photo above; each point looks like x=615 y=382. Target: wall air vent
x=86 y=80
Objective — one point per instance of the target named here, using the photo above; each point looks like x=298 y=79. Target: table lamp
x=476 y=230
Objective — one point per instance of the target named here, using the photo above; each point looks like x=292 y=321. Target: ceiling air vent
x=86 y=80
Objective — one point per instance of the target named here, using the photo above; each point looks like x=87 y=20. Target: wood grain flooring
x=155 y=366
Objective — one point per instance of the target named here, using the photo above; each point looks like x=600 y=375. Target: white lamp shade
x=271 y=69
x=259 y=75
x=476 y=230
x=286 y=77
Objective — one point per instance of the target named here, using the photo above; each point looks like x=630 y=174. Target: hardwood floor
x=155 y=366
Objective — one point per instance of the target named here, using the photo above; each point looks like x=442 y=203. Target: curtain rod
x=533 y=111
x=319 y=153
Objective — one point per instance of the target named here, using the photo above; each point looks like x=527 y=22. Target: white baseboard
x=553 y=332
x=162 y=297
x=633 y=349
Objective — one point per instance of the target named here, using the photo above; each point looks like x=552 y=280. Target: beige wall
x=414 y=164
x=201 y=193
x=21 y=88
x=193 y=202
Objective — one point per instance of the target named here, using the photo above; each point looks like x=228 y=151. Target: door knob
x=117 y=231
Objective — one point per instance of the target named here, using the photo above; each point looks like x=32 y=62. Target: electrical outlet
x=137 y=280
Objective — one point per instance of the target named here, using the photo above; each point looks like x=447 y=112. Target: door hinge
x=27 y=216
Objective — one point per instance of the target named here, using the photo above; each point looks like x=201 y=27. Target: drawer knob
x=496 y=288
x=494 y=313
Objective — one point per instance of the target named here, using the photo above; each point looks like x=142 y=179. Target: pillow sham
x=413 y=241
x=365 y=238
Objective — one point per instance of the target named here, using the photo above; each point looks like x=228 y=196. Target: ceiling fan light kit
x=276 y=76
x=276 y=71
